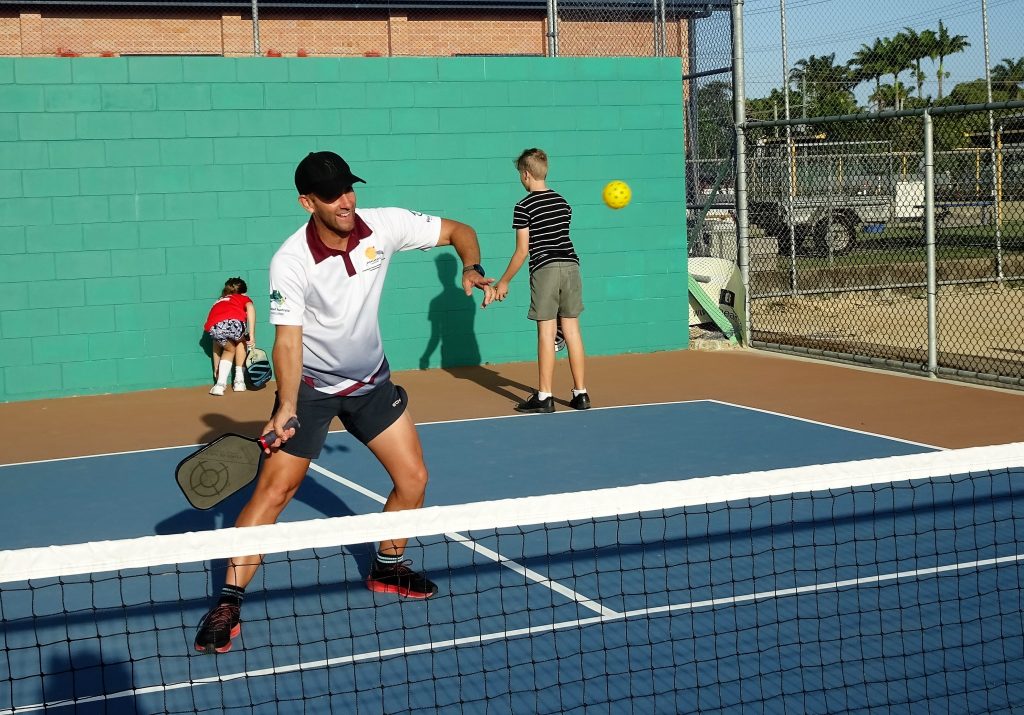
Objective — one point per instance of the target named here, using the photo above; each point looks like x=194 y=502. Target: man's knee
x=412 y=483
x=419 y=477
x=276 y=496
x=279 y=481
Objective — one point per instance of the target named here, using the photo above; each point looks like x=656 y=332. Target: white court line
x=532 y=630
x=504 y=417
x=346 y=482
x=482 y=550
x=532 y=575
x=827 y=424
x=563 y=412
x=101 y=454
x=339 y=431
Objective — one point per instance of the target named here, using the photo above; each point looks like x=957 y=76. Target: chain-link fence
x=890 y=246
x=885 y=186
x=710 y=159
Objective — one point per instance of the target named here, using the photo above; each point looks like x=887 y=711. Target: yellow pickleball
x=616 y=194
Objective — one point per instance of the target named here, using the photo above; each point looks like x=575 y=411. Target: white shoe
x=217 y=389
x=238 y=387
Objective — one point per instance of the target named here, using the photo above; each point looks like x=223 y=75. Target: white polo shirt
x=335 y=295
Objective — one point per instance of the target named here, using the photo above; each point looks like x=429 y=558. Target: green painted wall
x=131 y=188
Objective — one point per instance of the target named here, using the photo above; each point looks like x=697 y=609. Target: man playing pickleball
x=325 y=288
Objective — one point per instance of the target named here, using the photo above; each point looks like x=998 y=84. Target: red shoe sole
x=404 y=592
x=235 y=632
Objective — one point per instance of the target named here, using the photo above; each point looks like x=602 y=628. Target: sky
x=820 y=27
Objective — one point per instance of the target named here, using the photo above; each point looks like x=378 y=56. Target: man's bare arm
x=288 y=366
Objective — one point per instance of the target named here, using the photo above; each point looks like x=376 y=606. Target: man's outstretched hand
x=472 y=279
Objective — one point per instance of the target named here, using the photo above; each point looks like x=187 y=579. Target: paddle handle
x=270 y=437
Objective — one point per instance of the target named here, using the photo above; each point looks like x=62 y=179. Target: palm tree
x=894 y=56
x=1009 y=75
x=944 y=46
x=889 y=95
x=917 y=47
x=823 y=77
x=868 y=64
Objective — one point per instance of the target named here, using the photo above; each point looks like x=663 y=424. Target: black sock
x=232 y=595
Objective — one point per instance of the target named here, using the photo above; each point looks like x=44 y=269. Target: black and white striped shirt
x=547 y=215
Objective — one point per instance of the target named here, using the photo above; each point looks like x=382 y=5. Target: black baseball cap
x=325 y=174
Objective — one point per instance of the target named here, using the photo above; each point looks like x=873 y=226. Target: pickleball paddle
x=214 y=472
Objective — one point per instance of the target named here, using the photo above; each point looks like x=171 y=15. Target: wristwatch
x=475 y=267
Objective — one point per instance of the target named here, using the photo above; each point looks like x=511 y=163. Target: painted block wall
x=132 y=188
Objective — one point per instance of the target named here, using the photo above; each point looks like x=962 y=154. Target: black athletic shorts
x=365 y=416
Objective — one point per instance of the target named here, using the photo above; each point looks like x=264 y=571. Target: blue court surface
x=754 y=606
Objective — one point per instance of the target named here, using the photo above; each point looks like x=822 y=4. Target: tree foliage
x=819 y=87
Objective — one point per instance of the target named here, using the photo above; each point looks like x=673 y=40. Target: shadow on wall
x=206 y=343
x=451 y=315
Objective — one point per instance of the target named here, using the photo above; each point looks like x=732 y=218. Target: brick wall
x=322 y=32
x=131 y=188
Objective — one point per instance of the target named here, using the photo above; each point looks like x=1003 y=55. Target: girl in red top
x=232 y=325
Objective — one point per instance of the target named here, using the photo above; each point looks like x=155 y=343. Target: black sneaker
x=217 y=629
x=399 y=578
x=580 y=402
x=535 y=404
x=559 y=341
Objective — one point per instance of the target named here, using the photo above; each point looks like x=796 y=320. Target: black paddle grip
x=270 y=437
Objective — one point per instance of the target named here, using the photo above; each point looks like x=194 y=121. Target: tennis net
x=886 y=585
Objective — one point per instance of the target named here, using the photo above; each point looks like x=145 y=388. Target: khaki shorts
x=556 y=290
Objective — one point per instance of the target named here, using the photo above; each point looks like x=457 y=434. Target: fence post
x=255 y=28
x=739 y=98
x=791 y=175
x=553 y=28
x=663 y=32
x=994 y=193
x=659 y=29
x=654 y=25
x=929 y=241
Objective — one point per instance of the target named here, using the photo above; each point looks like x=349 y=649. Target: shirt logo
x=277 y=303
x=374 y=258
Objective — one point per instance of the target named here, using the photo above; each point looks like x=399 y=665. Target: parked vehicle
x=824 y=193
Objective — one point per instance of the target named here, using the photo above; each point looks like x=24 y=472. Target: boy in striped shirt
x=541 y=222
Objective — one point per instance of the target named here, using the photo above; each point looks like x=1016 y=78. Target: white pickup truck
x=827 y=193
